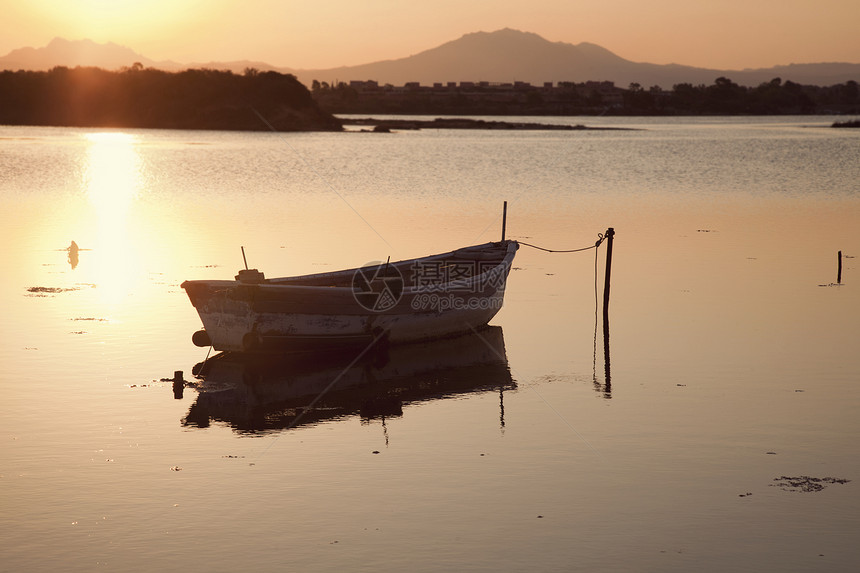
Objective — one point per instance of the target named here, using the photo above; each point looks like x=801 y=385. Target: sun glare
x=113 y=180
x=120 y=21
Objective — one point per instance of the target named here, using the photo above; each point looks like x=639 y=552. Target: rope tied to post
x=600 y=238
x=610 y=234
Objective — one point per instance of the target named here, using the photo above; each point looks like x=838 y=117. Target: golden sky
x=722 y=34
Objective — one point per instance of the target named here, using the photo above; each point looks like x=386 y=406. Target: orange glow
x=112 y=180
x=331 y=33
x=138 y=24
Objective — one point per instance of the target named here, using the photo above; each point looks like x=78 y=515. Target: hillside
x=511 y=55
x=61 y=52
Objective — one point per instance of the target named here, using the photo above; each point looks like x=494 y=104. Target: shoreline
x=386 y=125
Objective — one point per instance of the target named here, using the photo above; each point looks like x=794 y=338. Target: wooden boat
x=417 y=299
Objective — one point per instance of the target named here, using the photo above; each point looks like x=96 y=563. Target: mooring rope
x=600 y=238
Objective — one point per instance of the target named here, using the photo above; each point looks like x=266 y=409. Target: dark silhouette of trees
x=723 y=97
x=637 y=98
x=213 y=99
x=775 y=97
x=139 y=97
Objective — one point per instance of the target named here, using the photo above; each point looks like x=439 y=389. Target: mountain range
x=502 y=56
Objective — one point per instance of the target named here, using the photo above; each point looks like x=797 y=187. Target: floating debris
x=747 y=494
x=805 y=483
x=47 y=291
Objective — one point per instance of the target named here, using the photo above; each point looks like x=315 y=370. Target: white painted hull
x=330 y=309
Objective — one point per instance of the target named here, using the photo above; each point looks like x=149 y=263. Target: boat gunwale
x=287 y=282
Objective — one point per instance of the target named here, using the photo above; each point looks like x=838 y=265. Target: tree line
x=254 y=100
x=723 y=97
x=151 y=98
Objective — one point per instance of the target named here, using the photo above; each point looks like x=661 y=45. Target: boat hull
x=398 y=302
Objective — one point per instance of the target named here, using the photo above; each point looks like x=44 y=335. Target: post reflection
x=604 y=387
x=260 y=394
x=607 y=384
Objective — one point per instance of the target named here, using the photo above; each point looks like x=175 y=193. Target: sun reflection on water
x=113 y=180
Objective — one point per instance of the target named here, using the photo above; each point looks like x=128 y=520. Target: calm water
x=734 y=356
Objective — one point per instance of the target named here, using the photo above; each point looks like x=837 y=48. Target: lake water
x=700 y=442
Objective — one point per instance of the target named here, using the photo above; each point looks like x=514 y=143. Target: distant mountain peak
x=506 y=32
x=72 y=53
x=59 y=42
x=505 y=35
x=508 y=55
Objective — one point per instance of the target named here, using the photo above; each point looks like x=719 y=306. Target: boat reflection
x=261 y=394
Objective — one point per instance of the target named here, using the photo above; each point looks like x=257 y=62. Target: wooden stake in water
x=178 y=384
x=504 y=218
x=839 y=271
x=610 y=233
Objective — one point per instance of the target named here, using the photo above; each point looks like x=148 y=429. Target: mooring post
x=839 y=270
x=504 y=218
x=178 y=384
x=610 y=233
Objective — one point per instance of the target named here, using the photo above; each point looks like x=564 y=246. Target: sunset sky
x=722 y=34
